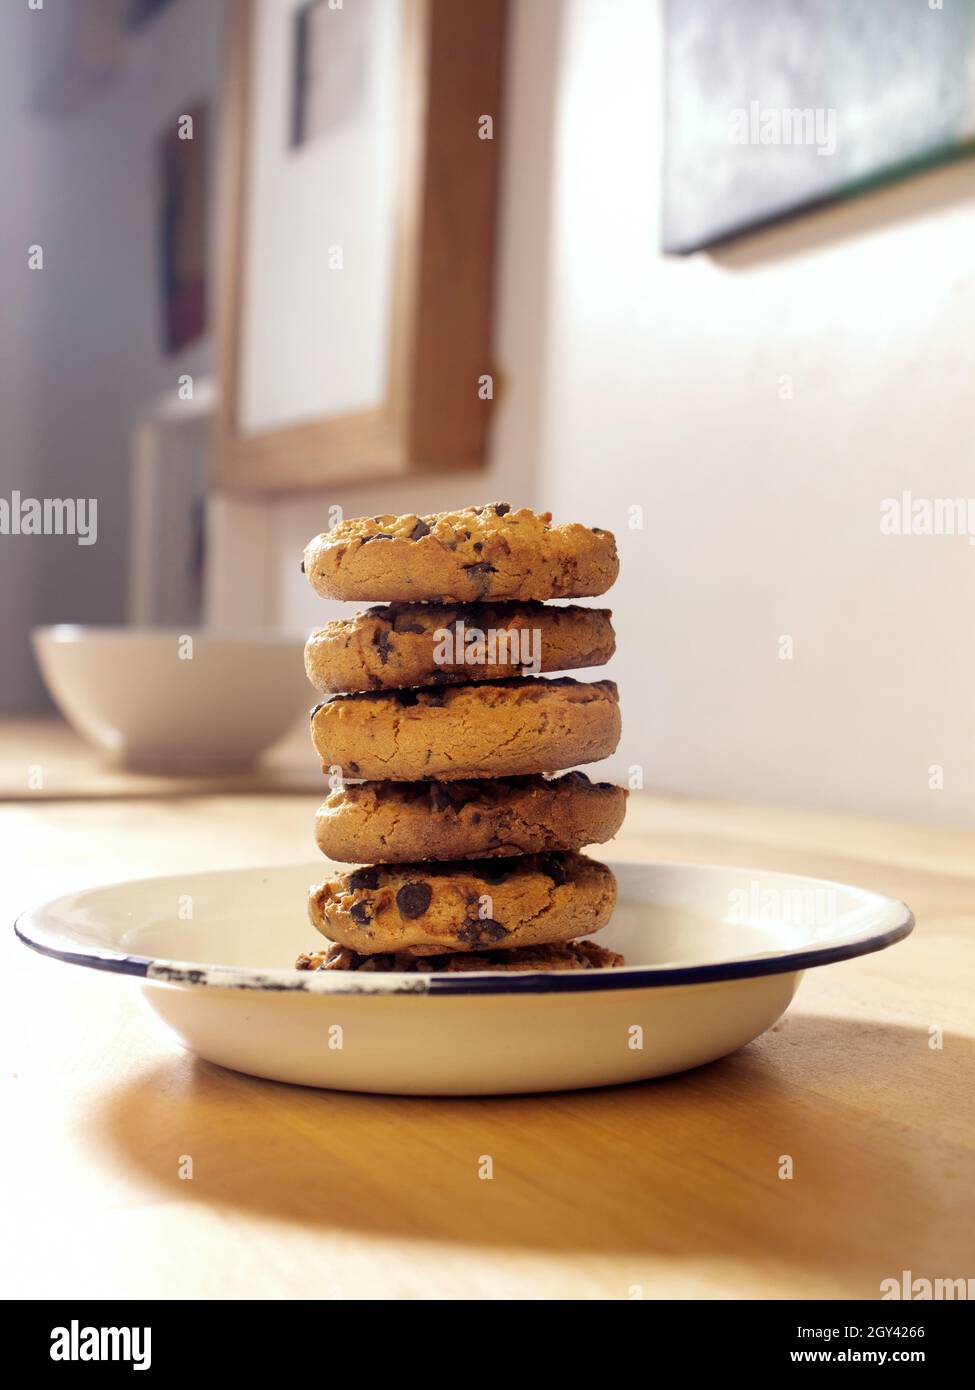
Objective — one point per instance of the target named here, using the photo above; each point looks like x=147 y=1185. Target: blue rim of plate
x=531 y=982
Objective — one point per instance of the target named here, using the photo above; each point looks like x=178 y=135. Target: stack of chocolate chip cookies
x=438 y=746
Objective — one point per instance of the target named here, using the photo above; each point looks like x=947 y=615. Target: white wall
x=762 y=514
x=637 y=380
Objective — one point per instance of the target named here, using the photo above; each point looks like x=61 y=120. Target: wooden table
x=669 y=1188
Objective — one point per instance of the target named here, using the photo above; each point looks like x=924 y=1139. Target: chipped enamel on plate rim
x=85 y=929
x=703 y=981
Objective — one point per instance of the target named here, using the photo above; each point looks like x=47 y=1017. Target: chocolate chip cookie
x=494 y=729
x=409 y=644
x=570 y=955
x=476 y=554
x=493 y=904
x=398 y=822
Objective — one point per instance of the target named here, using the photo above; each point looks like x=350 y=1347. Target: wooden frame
x=442 y=276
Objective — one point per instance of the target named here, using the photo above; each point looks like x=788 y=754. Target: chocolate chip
x=385 y=960
x=364 y=878
x=492 y=930
x=302 y=566
x=434 y=699
x=463 y=793
x=360 y=914
x=494 y=870
x=481 y=567
x=420 y=529
x=353 y=767
x=502 y=508
x=478 y=546
x=551 y=865
x=440 y=798
x=404 y=622
x=413 y=899
x=470 y=614
x=379 y=536
x=383 y=643
x=482 y=929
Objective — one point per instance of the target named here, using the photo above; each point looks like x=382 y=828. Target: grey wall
x=80 y=339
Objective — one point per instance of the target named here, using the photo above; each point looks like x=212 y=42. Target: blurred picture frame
x=357 y=238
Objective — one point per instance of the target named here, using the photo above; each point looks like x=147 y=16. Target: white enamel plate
x=714 y=956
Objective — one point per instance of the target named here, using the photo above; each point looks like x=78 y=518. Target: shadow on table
x=681 y=1166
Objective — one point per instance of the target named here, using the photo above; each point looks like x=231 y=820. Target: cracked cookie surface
x=570 y=955
x=389 y=822
x=497 y=904
x=404 y=644
x=475 y=554
x=489 y=729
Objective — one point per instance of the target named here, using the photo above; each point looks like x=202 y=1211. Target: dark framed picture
x=765 y=118
x=182 y=232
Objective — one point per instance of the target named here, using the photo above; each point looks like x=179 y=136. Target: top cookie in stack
x=475 y=555
x=436 y=708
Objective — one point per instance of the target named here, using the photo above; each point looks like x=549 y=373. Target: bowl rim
x=894 y=920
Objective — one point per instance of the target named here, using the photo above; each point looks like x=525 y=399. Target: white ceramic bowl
x=714 y=956
x=137 y=694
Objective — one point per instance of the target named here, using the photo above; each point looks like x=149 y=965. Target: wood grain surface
x=667 y=1188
